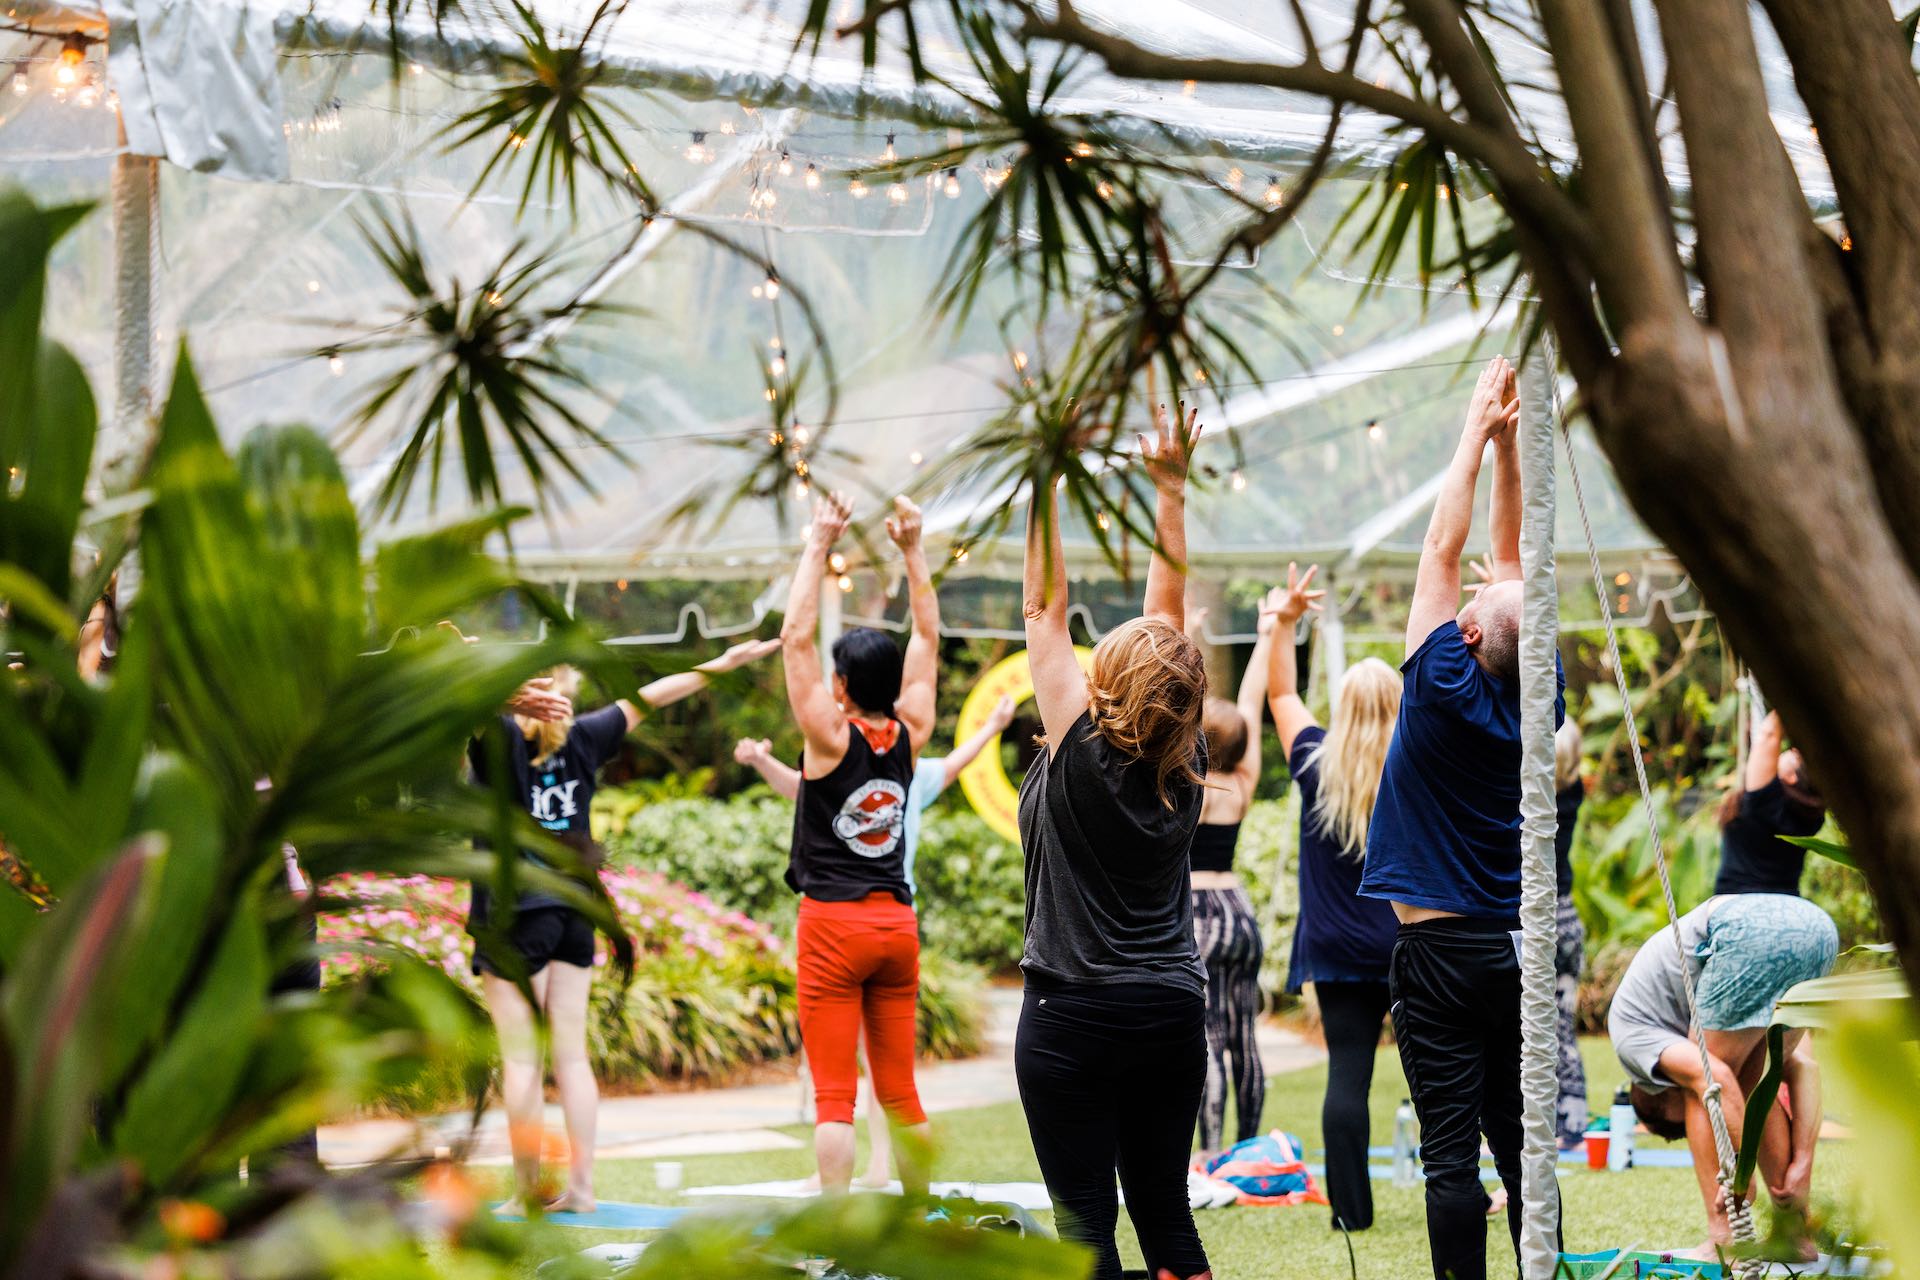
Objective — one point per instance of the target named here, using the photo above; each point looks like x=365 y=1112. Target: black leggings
x=1351 y=1014
x=1228 y=936
x=1110 y=1077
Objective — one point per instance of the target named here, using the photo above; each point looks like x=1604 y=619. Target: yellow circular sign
x=986 y=784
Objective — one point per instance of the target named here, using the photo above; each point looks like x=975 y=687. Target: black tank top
x=849 y=828
x=1213 y=844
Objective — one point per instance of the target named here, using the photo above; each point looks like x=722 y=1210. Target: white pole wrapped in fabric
x=136 y=212
x=1539 y=636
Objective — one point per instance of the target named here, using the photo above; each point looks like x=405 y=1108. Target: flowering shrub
x=712 y=994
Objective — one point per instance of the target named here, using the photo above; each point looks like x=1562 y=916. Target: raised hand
x=1495 y=407
x=748 y=750
x=1289 y=603
x=1197 y=623
x=903 y=526
x=1481 y=570
x=831 y=515
x=1169 y=452
x=538 y=700
x=1001 y=716
x=740 y=655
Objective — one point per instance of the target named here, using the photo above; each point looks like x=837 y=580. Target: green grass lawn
x=1651 y=1208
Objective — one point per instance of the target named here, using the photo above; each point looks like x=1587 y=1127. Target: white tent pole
x=1333 y=645
x=136 y=216
x=830 y=625
x=1539 y=634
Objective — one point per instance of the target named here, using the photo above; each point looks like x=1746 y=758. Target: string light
x=775 y=439
x=515 y=141
x=800 y=489
x=620 y=584
x=800 y=468
x=336 y=366
x=951 y=185
x=1237 y=480
x=785 y=166
x=769 y=394
x=416 y=68
x=20 y=84
x=1376 y=432
x=698 y=152
x=845 y=583
x=897 y=192
x=916 y=458
x=857 y=189
x=73 y=52
x=765 y=198
x=889 y=156
x=1622 y=579
x=1626 y=602
x=1020 y=360
x=1100 y=518
x=1846 y=244
x=1104 y=188
x=960 y=554
x=812 y=178
x=801 y=435
x=1188 y=89
x=313 y=286
x=1199 y=375
x=1083 y=148
x=1275 y=195
x=778 y=365
x=772 y=287
x=1446 y=192
x=726 y=127
x=1234 y=178
x=1339 y=329
x=837 y=562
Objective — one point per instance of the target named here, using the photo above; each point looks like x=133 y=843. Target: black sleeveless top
x=849 y=828
x=1213 y=844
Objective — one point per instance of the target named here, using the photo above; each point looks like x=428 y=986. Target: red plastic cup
x=1597 y=1142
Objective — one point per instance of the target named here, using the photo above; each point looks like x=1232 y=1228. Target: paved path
x=721 y=1121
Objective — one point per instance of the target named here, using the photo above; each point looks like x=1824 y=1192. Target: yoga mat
x=1643 y=1157
x=611 y=1216
x=1031 y=1196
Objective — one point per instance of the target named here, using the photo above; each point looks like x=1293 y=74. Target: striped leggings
x=1228 y=936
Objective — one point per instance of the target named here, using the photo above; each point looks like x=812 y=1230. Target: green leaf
x=1840 y=853
x=182 y=1097
x=299 y=498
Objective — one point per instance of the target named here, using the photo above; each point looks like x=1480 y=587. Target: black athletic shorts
x=541 y=934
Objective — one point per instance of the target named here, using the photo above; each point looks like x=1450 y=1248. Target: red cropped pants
x=860 y=964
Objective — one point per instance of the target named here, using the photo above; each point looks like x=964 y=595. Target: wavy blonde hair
x=548 y=736
x=1568 y=743
x=1147 y=691
x=1354 y=752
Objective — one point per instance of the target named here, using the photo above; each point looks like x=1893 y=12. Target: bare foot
x=515 y=1207
x=1708 y=1252
x=873 y=1182
x=812 y=1185
x=573 y=1202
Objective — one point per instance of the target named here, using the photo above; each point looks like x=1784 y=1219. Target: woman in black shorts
x=553 y=760
x=1111 y=1055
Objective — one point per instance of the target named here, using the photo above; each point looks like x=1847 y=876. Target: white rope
x=1739 y=1215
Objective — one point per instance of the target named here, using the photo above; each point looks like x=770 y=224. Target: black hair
x=869 y=661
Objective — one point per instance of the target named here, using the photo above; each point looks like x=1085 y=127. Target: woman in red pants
x=859 y=938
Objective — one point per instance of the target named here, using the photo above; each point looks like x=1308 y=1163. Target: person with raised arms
x=1342 y=942
x=552 y=760
x=1443 y=845
x=859 y=940
x=1111 y=1053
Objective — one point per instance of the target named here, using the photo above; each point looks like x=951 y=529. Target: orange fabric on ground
x=860 y=963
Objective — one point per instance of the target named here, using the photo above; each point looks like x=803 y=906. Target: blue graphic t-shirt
x=1445 y=832
x=558 y=792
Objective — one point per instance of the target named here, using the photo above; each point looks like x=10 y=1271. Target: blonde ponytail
x=1354 y=752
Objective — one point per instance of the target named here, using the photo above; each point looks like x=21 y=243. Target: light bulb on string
x=73 y=52
x=726 y=127
x=313 y=286
x=897 y=192
x=960 y=553
x=21 y=84
x=800 y=434
x=1083 y=148
x=1234 y=178
x=1339 y=329
x=1105 y=189
x=770 y=287
x=336 y=366
x=800 y=468
x=1100 y=518
x=778 y=365
x=857 y=189
x=844 y=583
x=1276 y=195
x=785 y=167
x=1238 y=480
x=1622 y=578
x=769 y=394
x=916 y=457
x=416 y=68
x=515 y=141
x=837 y=562
x=889 y=156
x=951 y=185
x=698 y=152
x=775 y=439
x=799 y=489
x=1376 y=432
x=812 y=178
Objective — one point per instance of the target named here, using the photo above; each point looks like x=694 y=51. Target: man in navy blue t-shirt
x=1444 y=845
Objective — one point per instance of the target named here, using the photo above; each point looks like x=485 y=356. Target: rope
x=1739 y=1214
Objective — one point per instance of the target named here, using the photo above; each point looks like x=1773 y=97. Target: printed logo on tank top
x=552 y=801
x=870 y=823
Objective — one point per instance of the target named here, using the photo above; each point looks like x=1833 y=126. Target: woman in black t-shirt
x=553 y=761
x=1778 y=800
x=1111 y=1055
x=859 y=940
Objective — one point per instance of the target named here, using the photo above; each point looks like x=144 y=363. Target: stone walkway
x=723 y=1121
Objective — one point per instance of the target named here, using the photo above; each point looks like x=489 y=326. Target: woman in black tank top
x=1224 y=926
x=859 y=941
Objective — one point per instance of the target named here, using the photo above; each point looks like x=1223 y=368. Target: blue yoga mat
x=1643 y=1157
x=614 y=1216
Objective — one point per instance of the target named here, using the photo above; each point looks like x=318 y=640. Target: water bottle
x=1403 y=1158
x=1620 y=1125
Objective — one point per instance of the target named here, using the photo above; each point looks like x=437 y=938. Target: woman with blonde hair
x=1570 y=945
x=552 y=760
x=1224 y=926
x=1342 y=942
x=1111 y=1055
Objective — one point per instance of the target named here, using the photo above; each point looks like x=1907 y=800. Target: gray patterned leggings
x=1569 y=954
x=1229 y=940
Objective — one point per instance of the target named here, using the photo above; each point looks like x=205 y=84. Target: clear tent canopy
x=263 y=264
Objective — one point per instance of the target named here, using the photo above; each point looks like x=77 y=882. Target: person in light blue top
x=930 y=778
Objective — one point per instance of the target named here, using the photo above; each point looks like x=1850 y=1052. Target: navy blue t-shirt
x=558 y=792
x=1340 y=936
x=1566 y=808
x=1446 y=827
